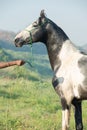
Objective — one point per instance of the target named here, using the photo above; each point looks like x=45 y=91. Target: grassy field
x=28 y=100
x=28 y=104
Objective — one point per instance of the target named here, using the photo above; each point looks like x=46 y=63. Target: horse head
x=33 y=33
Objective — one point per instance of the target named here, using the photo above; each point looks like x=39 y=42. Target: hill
x=85 y=47
x=4 y=56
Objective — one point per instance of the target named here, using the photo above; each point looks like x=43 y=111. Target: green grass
x=28 y=105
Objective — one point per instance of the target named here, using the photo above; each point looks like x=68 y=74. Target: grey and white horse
x=67 y=62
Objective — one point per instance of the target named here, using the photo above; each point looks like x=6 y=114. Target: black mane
x=59 y=31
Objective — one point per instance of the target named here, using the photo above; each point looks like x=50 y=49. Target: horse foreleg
x=78 y=114
x=65 y=115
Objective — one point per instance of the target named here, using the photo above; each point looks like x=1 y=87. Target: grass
x=27 y=105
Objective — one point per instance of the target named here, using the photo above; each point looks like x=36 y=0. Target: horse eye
x=35 y=24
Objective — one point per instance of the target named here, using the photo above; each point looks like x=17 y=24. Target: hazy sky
x=70 y=15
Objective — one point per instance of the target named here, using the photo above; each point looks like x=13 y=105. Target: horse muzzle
x=18 y=42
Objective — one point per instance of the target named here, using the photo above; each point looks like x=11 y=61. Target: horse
x=68 y=63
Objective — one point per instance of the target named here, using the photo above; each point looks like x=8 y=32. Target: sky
x=70 y=15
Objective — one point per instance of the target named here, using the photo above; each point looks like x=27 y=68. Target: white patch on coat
x=65 y=119
x=67 y=50
x=30 y=27
x=69 y=69
x=26 y=32
x=23 y=34
x=54 y=47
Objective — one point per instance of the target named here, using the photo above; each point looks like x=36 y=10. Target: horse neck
x=60 y=54
x=56 y=41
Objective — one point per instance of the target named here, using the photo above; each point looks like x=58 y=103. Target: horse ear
x=42 y=14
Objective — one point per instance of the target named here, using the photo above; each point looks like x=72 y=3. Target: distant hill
x=6 y=41
x=7 y=36
x=85 y=47
x=4 y=56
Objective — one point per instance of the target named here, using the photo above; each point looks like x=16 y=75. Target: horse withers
x=67 y=62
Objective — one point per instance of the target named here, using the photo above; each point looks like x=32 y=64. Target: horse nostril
x=16 y=40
